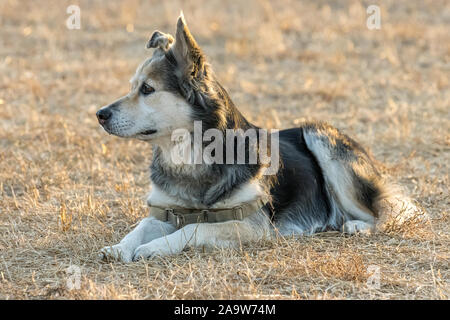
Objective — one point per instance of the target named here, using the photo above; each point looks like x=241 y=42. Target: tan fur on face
x=161 y=110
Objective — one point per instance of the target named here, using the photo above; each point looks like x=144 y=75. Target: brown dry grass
x=67 y=188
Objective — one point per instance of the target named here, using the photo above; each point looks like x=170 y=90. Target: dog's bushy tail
x=397 y=212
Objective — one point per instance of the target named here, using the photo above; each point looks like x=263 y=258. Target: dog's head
x=163 y=90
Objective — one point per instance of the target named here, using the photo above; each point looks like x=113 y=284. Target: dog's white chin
x=154 y=137
x=138 y=135
x=145 y=137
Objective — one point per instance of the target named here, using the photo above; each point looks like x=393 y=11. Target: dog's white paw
x=117 y=252
x=158 y=247
x=357 y=226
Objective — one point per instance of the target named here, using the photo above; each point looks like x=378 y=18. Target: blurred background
x=67 y=188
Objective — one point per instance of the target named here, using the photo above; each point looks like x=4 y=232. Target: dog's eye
x=146 y=89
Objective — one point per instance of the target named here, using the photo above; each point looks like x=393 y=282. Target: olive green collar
x=179 y=217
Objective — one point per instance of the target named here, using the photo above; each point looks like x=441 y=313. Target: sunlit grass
x=67 y=188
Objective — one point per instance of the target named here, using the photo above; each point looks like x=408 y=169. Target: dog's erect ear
x=160 y=40
x=187 y=52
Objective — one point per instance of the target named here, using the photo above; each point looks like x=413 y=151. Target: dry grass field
x=67 y=188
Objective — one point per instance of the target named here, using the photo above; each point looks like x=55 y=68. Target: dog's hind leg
x=147 y=230
x=359 y=194
x=351 y=179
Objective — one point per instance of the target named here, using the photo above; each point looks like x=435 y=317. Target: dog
x=324 y=179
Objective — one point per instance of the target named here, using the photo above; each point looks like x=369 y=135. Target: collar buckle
x=205 y=213
x=179 y=220
x=168 y=211
x=238 y=213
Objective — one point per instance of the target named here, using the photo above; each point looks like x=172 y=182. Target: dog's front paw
x=117 y=252
x=158 y=247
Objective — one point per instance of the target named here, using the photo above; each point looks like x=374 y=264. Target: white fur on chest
x=246 y=193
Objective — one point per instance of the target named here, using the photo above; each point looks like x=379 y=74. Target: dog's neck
x=204 y=184
x=199 y=182
x=212 y=109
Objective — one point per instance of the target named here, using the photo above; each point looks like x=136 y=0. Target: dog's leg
x=220 y=235
x=147 y=230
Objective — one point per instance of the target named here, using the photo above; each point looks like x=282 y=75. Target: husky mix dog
x=325 y=180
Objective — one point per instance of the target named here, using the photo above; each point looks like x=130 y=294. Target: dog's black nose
x=103 y=115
